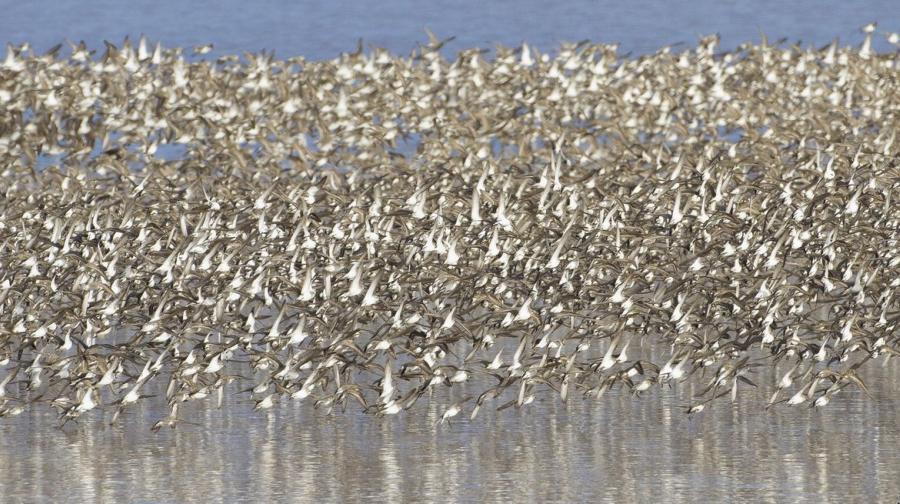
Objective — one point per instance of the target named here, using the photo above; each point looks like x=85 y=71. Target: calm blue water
x=323 y=29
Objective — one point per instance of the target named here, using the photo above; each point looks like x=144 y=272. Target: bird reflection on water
x=618 y=449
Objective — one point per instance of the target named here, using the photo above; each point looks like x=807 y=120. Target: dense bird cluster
x=364 y=230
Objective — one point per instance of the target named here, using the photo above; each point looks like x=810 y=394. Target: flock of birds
x=363 y=231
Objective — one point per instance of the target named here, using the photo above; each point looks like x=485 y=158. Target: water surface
x=318 y=29
x=616 y=449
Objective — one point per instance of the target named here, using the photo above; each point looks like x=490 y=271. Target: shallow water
x=617 y=449
x=324 y=29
